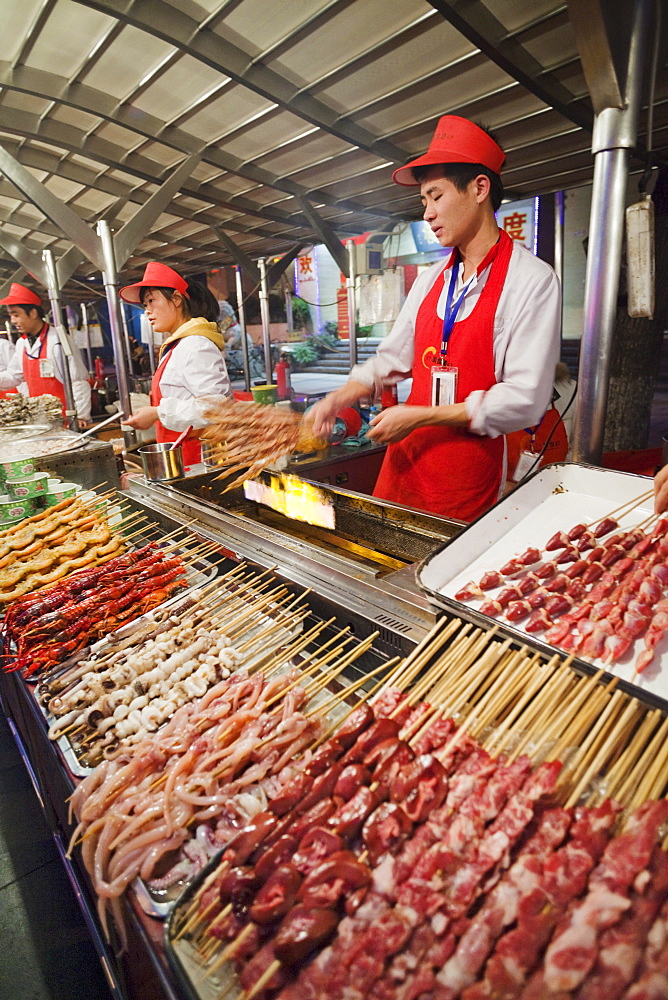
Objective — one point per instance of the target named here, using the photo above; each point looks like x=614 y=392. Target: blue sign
x=425 y=240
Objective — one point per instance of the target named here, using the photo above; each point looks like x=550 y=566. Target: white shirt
x=195 y=369
x=11 y=376
x=7 y=352
x=527 y=330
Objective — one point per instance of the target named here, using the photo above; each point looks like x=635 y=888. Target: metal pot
x=161 y=462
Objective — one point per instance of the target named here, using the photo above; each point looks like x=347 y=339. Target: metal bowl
x=161 y=462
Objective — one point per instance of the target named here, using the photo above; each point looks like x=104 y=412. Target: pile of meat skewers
x=115 y=698
x=52 y=544
x=50 y=625
x=163 y=807
x=590 y=592
x=430 y=869
x=250 y=437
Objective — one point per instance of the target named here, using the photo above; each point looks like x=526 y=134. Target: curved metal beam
x=174 y=26
x=49 y=162
x=50 y=86
x=478 y=24
x=73 y=139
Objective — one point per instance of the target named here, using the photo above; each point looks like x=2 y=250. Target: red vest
x=37 y=384
x=191 y=447
x=449 y=471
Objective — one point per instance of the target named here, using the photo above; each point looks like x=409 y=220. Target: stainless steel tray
x=552 y=499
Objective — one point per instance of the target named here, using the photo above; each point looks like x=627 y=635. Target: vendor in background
x=38 y=356
x=191 y=363
x=479 y=334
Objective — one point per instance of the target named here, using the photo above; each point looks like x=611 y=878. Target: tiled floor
x=45 y=949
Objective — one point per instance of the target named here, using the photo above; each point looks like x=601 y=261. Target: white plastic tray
x=554 y=499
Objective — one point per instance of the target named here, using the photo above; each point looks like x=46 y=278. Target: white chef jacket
x=7 y=352
x=195 y=369
x=527 y=330
x=11 y=376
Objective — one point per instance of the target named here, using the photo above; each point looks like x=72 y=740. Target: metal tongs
x=93 y=430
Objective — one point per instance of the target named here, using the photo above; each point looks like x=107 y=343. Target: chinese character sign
x=518 y=219
x=305 y=267
x=514 y=225
x=306 y=277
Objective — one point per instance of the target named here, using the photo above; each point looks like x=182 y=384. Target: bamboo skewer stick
x=657 y=753
x=647 y=743
x=228 y=951
x=261 y=983
x=620 y=779
x=557 y=730
x=626 y=507
x=345 y=692
x=534 y=685
x=591 y=763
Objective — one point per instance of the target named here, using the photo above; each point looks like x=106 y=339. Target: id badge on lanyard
x=46 y=369
x=443 y=375
x=527 y=459
x=443 y=384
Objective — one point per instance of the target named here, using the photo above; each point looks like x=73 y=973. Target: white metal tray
x=553 y=499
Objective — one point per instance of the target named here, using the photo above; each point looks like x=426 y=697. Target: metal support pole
x=288 y=310
x=352 y=307
x=110 y=280
x=264 y=312
x=615 y=131
x=62 y=337
x=559 y=205
x=86 y=330
x=151 y=347
x=126 y=335
x=241 y=315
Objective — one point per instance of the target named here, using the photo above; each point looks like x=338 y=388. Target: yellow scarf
x=197 y=327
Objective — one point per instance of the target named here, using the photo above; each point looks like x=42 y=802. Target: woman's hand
x=144 y=418
x=661 y=490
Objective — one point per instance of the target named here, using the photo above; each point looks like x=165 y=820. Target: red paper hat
x=19 y=295
x=456 y=140
x=155 y=276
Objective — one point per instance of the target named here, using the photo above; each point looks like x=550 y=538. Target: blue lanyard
x=451 y=311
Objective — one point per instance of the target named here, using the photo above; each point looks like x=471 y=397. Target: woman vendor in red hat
x=478 y=333
x=37 y=359
x=191 y=363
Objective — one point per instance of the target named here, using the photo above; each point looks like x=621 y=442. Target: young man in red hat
x=478 y=333
x=38 y=357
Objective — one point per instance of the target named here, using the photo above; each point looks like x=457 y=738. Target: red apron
x=37 y=384
x=449 y=471
x=191 y=447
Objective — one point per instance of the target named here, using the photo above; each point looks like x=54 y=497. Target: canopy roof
x=282 y=101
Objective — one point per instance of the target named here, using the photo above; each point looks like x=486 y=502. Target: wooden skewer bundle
x=249 y=437
x=511 y=701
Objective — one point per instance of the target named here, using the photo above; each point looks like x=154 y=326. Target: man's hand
x=144 y=418
x=83 y=424
x=323 y=414
x=661 y=490
x=397 y=422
